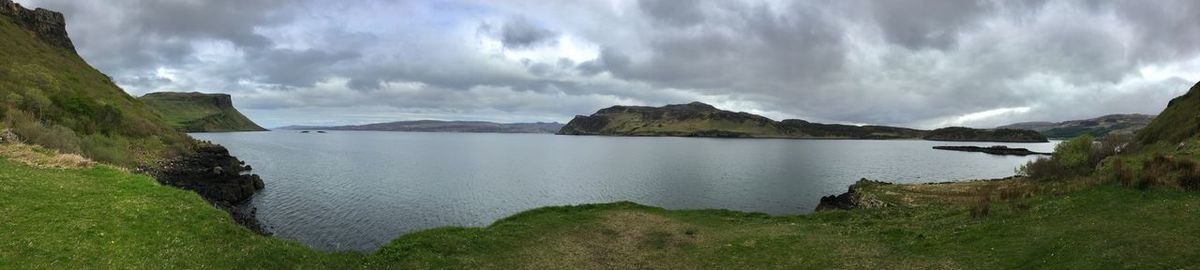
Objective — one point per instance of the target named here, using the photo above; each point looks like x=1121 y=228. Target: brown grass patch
x=622 y=240
x=43 y=158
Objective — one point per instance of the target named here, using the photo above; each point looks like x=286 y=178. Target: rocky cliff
x=199 y=112
x=50 y=26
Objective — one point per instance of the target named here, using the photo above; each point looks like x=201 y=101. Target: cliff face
x=199 y=112
x=50 y=26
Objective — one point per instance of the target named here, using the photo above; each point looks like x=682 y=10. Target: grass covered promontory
x=199 y=112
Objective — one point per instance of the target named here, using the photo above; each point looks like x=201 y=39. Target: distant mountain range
x=444 y=126
x=1097 y=127
x=199 y=112
x=702 y=120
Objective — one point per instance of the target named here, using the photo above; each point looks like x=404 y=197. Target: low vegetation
x=51 y=97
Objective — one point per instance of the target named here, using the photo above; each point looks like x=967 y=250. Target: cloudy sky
x=911 y=63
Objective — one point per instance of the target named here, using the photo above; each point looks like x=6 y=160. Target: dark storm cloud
x=518 y=33
x=924 y=63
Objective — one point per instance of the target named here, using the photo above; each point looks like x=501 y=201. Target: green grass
x=51 y=97
x=107 y=218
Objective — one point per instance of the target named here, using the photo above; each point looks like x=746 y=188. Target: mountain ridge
x=698 y=119
x=1096 y=127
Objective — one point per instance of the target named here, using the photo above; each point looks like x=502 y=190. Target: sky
x=922 y=64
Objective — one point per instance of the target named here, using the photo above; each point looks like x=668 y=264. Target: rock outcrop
x=50 y=26
x=217 y=176
x=853 y=198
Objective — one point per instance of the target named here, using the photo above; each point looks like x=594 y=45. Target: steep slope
x=199 y=112
x=51 y=97
x=1096 y=127
x=1178 y=122
x=445 y=126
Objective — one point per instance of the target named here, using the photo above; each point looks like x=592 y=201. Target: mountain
x=1178 y=122
x=1096 y=127
x=199 y=112
x=444 y=126
x=702 y=120
x=963 y=134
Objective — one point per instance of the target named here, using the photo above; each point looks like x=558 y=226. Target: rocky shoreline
x=218 y=177
x=851 y=199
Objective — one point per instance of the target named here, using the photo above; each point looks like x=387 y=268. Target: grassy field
x=99 y=216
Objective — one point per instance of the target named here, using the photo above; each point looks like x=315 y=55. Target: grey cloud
x=856 y=61
x=518 y=32
x=678 y=13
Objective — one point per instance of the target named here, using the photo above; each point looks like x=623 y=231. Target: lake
x=356 y=190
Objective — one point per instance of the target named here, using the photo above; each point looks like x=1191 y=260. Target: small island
x=994 y=150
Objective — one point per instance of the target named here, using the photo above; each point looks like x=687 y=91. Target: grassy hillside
x=51 y=97
x=197 y=112
x=1179 y=121
x=107 y=218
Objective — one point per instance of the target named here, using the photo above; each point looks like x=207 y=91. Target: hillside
x=1096 y=127
x=984 y=135
x=1178 y=122
x=49 y=96
x=199 y=112
x=702 y=120
x=444 y=126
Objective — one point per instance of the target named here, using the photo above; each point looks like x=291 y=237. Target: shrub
x=1041 y=168
x=1075 y=155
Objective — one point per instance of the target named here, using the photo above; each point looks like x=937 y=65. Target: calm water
x=358 y=190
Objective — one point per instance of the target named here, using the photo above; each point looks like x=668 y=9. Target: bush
x=1041 y=168
x=1075 y=155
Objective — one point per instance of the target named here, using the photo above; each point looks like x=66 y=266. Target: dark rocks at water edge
x=994 y=150
x=220 y=178
x=852 y=198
